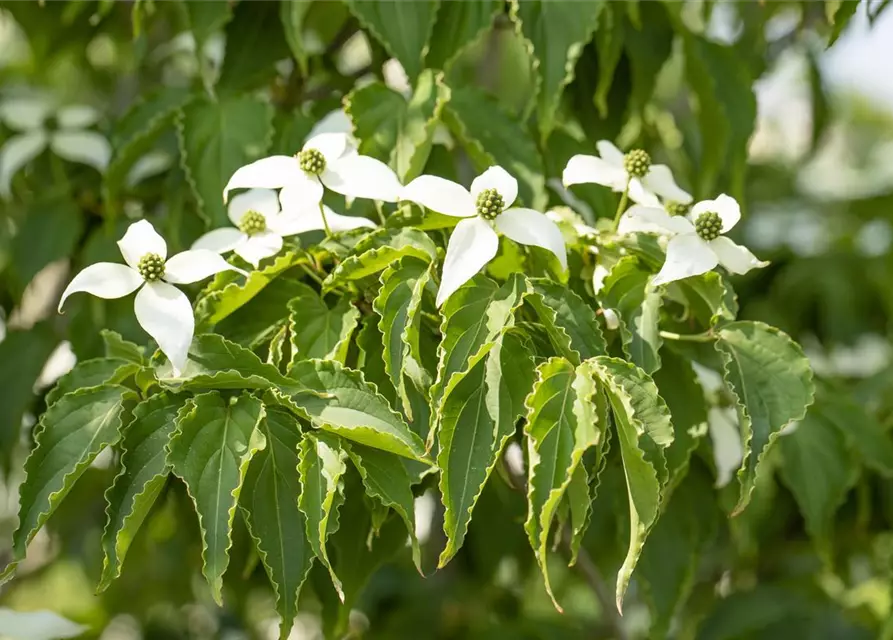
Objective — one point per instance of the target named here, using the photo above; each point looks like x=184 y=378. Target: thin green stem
x=692 y=337
x=621 y=207
x=310 y=272
x=325 y=223
x=378 y=210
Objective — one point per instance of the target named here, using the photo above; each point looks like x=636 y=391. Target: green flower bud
x=312 y=161
x=489 y=204
x=252 y=223
x=637 y=163
x=677 y=208
x=151 y=267
x=708 y=225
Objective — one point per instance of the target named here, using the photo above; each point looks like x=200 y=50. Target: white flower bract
x=161 y=309
x=608 y=169
x=475 y=241
x=689 y=254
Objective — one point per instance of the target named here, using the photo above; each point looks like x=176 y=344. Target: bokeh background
x=818 y=194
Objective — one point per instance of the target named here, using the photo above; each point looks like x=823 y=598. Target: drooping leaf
x=862 y=431
x=318 y=331
x=562 y=423
x=144 y=470
x=403 y=28
x=378 y=250
x=478 y=417
x=644 y=431
x=571 y=323
x=255 y=322
x=711 y=298
x=255 y=42
x=322 y=465
x=205 y=19
x=556 y=33
x=270 y=503
x=210 y=451
x=292 y=15
x=69 y=436
x=118 y=347
x=458 y=26
x=216 y=138
x=772 y=383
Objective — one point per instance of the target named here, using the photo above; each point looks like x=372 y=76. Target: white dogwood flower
x=632 y=171
x=161 y=309
x=326 y=159
x=260 y=226
x=486 y=209
x=696 y=245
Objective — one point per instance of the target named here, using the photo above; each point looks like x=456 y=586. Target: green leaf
x=206 y=18
x=556 y=33
x=92 y=373
x=863 y=433
x=839 y=13
x=772 y=383
x=609 y=45
x=403 y=28
x=337 y=399
x=399 y=304
x=726 y=110
x=29 y=350
x=643 y=429
x=491 y=136
x=277 y=525
x=119 y=348
x=386 y=479
x=292 y=15
x=562 y=423
x=33 y=248
x=627 y=291
x=69 y=437
x=571 y=323
x=478 y=418
x=710 y=298
x=210 y=451
x=458 y=26
x=255 y=322
x=144 y=470
x=371 y=359
x=216 y=138
x=377 y=251
x=322 y=466
x=318 y=331
x=820 y=469
x=255 y=42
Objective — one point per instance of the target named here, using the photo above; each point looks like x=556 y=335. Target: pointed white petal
x=273 y=172
x=440 y=195
x=303 y=193
x=472 y=245
x=362 y=177
x=496 y=178
x=335 y=121
x=25 y=114
x=330 y=145
x=639 y=219
x=660 y=180
x=533 y=228
x=104 y=280
x=610 y=153
x=84 y=147
x=77 y=116
x=220 y=240
x=726 y=206
x=311 y=220
x=582 y=169
x=264 y=201
x=260 y=246
x=687 y=255
x=16 y=153
x=640 y=195
x=734 y=257
x=165 y=313
x=196 y=264
x=140 y=239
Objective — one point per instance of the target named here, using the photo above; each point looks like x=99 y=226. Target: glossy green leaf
x=216 y=138
x=258 y=320
x=772 y=383
x=378 y=250
x=459 y=25
x=478 y=418
x=118 y=347
x=69 y=437
x=571 y=323
x=318 y=331
x=210 y=451
x=144 y=470
x=711 y=298
x=92 y=373
x=402 y=28
x=270 y=503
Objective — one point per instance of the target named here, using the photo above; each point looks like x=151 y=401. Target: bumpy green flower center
x=252 y=223
x=489 y=204
x=312 y=161
x=151 y=267
x=637 y=163
x=677 y=208
x=708 y=225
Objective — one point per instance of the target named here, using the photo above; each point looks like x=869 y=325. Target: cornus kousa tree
x=447 y=286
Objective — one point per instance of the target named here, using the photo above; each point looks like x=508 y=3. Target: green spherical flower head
x=637 y=163
x=489 y=204
x=312 y=161
x=151 y=267
x=677 y=208
x=252 y=223
x=708 y=225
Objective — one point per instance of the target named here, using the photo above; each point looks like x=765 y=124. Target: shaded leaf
x=317 y=331
x=571 y=323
